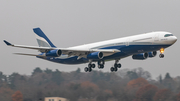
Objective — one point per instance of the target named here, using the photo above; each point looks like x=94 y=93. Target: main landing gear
x=161 y=51
x=116 y=66
x=90 y=66
x=101 y=66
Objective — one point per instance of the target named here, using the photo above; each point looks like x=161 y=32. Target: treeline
x=125 y=85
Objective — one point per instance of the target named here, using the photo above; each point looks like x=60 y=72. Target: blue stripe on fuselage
x=133 y=49
x=70 y=60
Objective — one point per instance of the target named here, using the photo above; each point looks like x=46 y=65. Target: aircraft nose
x=174 y=39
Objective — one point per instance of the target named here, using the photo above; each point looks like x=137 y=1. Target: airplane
x=140 y=47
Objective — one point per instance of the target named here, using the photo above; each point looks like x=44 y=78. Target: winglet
x=7 y=43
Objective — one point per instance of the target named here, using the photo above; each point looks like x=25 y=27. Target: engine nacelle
x=152 y=54
x=141 y=56
x=95 y=55
x=54 y=53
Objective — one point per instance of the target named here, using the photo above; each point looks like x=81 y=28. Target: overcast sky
x=75 y=22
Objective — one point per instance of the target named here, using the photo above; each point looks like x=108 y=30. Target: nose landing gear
x=161 y=55
x=161 y=51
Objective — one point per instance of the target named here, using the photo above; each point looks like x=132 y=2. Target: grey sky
x=75 y=22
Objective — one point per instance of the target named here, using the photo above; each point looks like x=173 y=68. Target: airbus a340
x=140 y=47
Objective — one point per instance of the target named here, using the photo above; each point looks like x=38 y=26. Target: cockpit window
x=167 y=35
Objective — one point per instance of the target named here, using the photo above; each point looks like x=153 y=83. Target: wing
x=67 y=51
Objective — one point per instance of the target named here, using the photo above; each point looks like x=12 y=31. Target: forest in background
x=124 y=85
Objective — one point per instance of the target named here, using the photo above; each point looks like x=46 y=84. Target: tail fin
x=42 y=39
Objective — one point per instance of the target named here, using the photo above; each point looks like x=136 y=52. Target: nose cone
x=173 y=39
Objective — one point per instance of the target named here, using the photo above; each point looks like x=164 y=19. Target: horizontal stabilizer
x=29 y=54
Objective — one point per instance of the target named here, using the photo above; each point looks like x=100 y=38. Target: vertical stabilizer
x=42 y=39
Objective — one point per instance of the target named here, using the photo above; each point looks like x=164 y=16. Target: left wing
x=67 y=51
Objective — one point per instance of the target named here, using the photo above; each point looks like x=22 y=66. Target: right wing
x=67 y=51
x=41 y=49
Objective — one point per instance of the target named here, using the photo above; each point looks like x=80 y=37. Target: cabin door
x=127 y=42
x=156 y=38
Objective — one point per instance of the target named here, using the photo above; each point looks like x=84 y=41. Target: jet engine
x=54 y=53
x=141 y=56
x=95 y=55
x=152 y=54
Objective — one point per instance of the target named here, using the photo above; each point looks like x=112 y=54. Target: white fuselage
x=153 y=38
